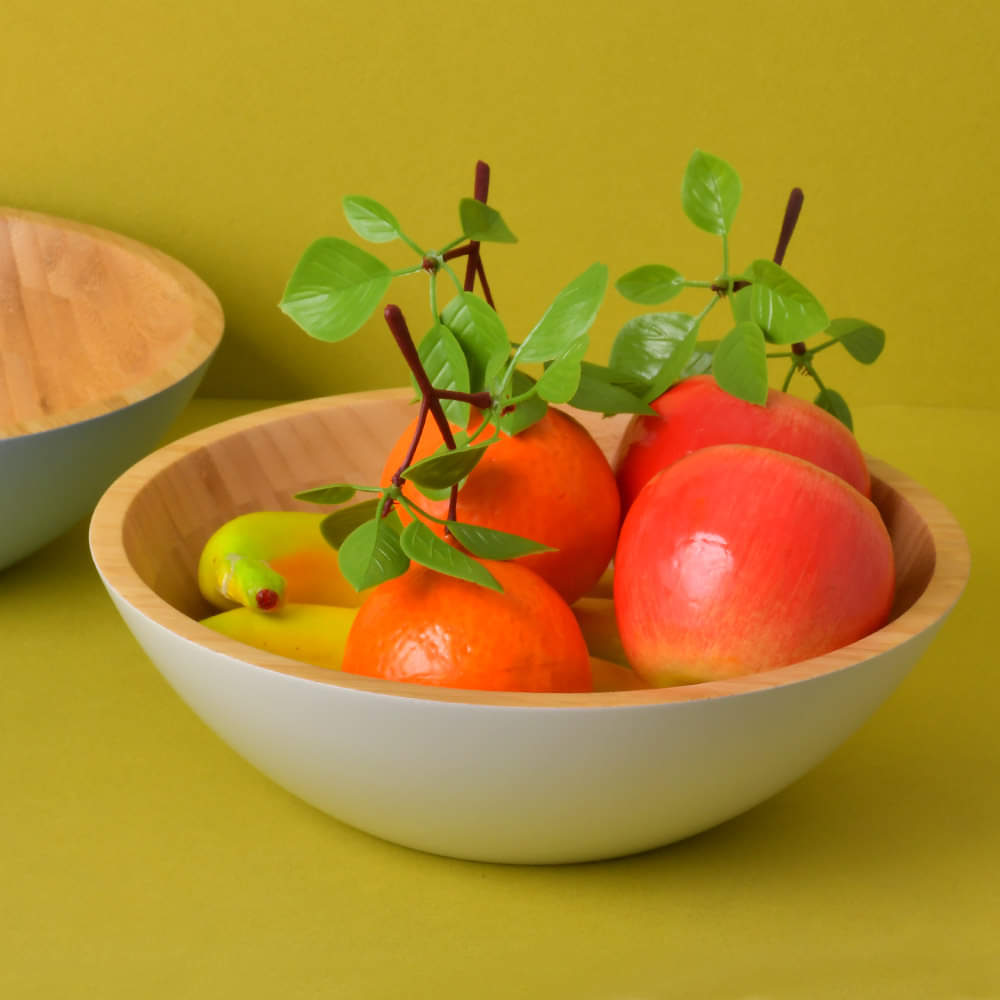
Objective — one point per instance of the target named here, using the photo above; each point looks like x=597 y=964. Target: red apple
x=696 y=413
x=737 y=559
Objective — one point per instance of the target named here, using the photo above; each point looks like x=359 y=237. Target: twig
x=480 y=193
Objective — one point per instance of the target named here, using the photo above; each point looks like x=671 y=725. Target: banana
x=312 y=633
x=266 y=559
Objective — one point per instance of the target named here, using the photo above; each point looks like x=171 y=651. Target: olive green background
x=226 y=134
x=139 y=856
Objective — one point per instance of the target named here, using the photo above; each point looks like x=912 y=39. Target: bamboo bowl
x=102 y=342
x=524 y=778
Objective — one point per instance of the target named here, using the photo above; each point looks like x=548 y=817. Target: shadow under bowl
x=103 y=341
x=508 y=777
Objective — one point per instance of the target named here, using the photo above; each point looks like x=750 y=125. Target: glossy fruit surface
x=550 y=483
x=737 y=559
x=696 y=413
x=428 y=628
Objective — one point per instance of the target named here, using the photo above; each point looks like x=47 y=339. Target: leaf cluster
x=468 y=358
x=770 y=309
x=336 y=287
x=374 y=545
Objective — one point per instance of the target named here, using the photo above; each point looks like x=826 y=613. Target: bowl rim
x=948 y=580
x=194 y=350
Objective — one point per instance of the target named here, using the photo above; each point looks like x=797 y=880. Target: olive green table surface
x=140 y=857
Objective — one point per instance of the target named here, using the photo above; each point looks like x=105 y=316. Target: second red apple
x=696 y=413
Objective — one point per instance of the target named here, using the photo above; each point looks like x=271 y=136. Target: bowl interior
x=91 y=321
x=149 y=529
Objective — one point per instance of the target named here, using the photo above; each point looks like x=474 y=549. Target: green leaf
x=370 y=220
x=650 y=285
x=482 y=223
x=335 y=494
x=710 y=193
x=424 y=547
x=488 y=543
x=372 y=553
x=443 y=492
x=447 y=368
x=527 y=412
x=334 y=289
x=740 y=364
x=655 y=348
x=337 y=526
x=480 y=334
x=781 y=306
x=700 y=362
x=832 y=401
x=570 y=316
x=445 y=468
x=864 y=342
x=615 y=376
x=740 y=302
x=561 y=377
x=603 y=390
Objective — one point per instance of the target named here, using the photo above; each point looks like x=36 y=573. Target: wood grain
x=91 y=321
x=149 y=529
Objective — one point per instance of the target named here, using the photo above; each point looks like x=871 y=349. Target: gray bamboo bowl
x=102 y=342
x=523 y=778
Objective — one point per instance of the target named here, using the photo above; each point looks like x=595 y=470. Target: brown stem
x=401 y=332
x=412 y=450
x=792 y=210
x=481 y=400
x=466 y=251
x=397 y=476
x=429 y=395
x=481 y=271
x=480 y=193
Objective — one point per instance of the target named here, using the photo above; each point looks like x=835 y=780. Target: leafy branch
x=466 y=359
x=769 y=307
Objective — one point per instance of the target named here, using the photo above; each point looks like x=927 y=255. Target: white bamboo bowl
x=524 y=778
x=102 y=342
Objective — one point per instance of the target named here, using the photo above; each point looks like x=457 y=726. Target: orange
x=433 y=629
x=551 y=483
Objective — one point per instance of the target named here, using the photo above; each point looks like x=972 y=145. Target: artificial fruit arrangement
x=736 y=516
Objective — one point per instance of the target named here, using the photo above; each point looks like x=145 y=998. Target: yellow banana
x=313 y=633
x=264 y=559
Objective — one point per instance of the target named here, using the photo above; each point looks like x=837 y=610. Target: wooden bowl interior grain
x=91 y=321
x=180 y=495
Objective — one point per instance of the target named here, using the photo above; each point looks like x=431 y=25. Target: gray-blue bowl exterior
x=51 y=479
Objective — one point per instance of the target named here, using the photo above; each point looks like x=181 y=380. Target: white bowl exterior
x=465 y=780
x=51 y=479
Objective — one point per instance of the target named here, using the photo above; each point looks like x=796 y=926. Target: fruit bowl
x=520 y=778
x=102 y=342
